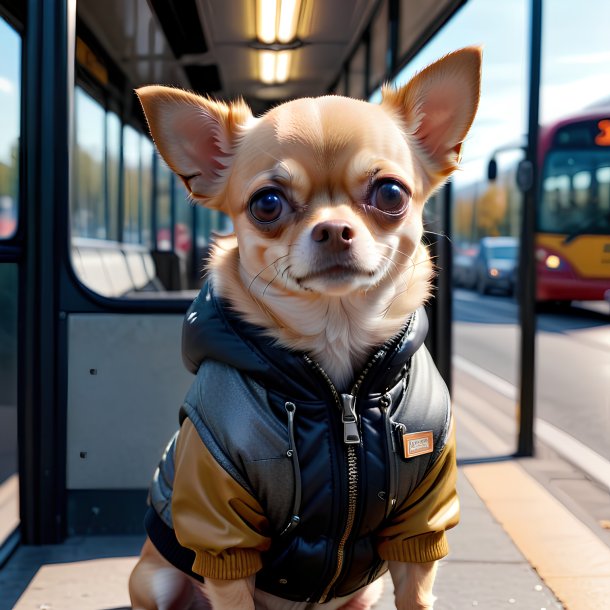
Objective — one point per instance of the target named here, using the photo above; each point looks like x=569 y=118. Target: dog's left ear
x=438 y=106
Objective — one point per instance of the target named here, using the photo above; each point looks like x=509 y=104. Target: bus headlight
x=552 y=261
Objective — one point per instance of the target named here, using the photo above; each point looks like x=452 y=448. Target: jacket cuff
x=419 y=549
x=228 y=565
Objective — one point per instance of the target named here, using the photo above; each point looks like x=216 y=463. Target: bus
x=573 y=216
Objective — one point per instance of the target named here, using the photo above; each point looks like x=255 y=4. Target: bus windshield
x=576 y=193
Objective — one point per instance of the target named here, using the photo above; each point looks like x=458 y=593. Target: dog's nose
x=338 y=234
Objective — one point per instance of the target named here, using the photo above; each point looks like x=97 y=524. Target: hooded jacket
x=276 y=472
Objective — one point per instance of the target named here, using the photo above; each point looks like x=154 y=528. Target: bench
x=113 y=269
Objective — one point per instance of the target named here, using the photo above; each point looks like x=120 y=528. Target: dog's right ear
x=437 y=107
x=196 y=136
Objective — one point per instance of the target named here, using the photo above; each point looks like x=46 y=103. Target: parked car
x=496 y=265
x=464 y=266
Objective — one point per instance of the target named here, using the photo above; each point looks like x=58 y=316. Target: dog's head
x=325 y=194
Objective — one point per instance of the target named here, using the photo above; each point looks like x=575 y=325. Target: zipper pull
x=399 y=431
x=351 y=436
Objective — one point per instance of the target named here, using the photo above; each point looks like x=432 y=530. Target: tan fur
x=335 y=275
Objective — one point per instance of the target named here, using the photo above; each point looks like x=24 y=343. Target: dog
x=316 y=295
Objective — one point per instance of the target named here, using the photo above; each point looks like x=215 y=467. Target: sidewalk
x=484 y=569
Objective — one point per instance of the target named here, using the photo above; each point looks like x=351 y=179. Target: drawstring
x=292 y=454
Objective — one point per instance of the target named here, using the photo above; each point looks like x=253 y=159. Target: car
x=464 y=266
x=496 y=264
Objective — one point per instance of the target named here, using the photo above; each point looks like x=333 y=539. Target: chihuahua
x=326 y=263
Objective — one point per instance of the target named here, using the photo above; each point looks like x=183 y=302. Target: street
x=572 y=366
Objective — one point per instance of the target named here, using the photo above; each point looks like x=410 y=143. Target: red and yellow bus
x=573 y=217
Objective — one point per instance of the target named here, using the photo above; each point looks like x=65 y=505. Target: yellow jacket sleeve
x=416 y=530
x=213 y=515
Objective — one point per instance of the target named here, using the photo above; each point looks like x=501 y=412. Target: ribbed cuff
x=419 y=549
x=229 y=565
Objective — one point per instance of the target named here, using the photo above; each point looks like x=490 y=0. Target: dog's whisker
x=263 y=270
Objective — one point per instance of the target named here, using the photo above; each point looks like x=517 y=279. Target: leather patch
x=417 y=443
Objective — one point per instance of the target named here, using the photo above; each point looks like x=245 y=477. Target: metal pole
x=527 y=267
x=445 y=287
x=439 y=339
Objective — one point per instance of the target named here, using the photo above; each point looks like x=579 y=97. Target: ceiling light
x=274 y=67
x=266 y=65
x=282 y=66
x=288 y=21
x=277 y=20
x=266 y=19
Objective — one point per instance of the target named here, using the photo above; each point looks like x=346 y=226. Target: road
x=572 y=356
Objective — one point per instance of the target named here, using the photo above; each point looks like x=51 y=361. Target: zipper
x=292 y=454
x=351 y=438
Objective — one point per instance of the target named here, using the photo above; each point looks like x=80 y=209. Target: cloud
x=6 y=86
x=560 y=99
x=602 y=57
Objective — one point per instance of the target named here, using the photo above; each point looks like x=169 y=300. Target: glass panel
x=379 y=46
x=184 y=220
x=485 y=223
x=574 y=193
x=164 y=214
x=357 y=65
x=113 y=168
x=131 y=187
x=88 y=208
x=9 y=485
x=573 y=239
x=10 y=102
x=147 y=151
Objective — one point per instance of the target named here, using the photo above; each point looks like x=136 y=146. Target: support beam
x=48 y=85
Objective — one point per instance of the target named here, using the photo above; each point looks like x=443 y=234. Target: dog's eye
x=267 y=205
x=390 y=196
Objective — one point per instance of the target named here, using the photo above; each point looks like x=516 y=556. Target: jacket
x=277 y=473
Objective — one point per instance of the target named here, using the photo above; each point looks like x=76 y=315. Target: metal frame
x=47 y=95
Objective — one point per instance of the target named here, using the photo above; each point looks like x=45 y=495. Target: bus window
x=131 y=184
x=575 y=189
x=147 y=152
x=602 y=175
x=164 y=212
x=581 y=189
x=10 y=76
x=113 y=168
x=9 y=507
x=88 y=211
x=10 y=120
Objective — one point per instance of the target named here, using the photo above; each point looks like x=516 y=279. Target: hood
x=211 y=330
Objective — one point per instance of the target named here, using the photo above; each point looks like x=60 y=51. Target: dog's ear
x=437 y=107
x=196 y=136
